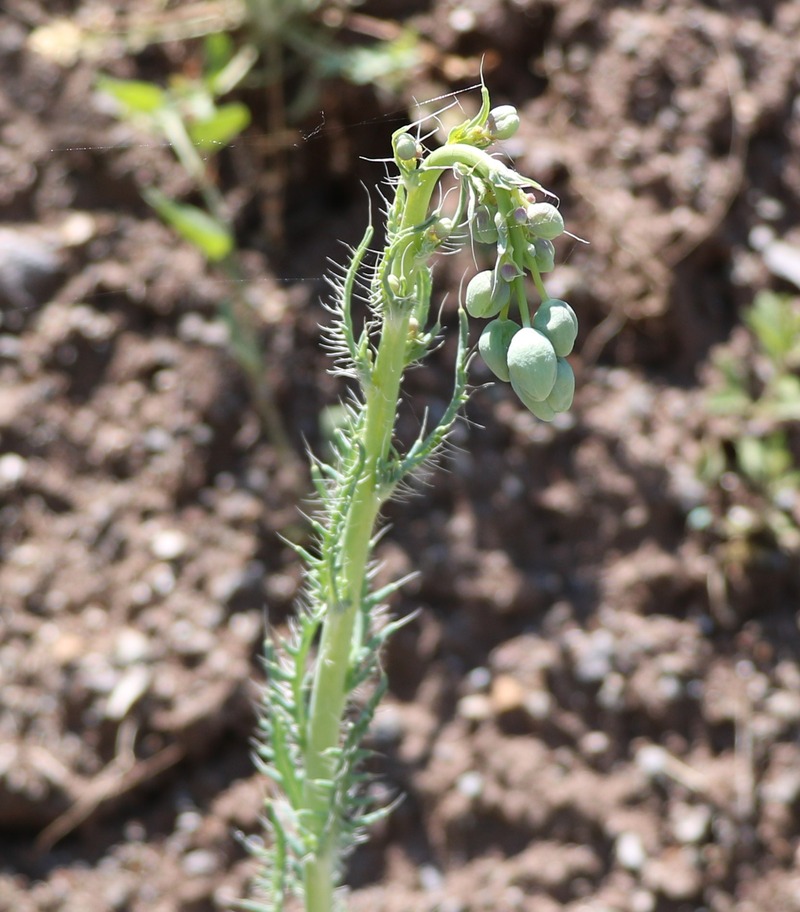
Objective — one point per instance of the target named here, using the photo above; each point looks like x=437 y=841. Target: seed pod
x=532 y=364
x=503 y=121
x=560 y=398
x=493 y=346
x=557 y=320
x=544 y=254
x=405 y=147
x=485 y=297
x=545 y=220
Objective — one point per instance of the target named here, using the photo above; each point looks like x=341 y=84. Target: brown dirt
x=597 y=707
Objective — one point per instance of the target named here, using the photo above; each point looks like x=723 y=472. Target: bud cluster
x=529 y=354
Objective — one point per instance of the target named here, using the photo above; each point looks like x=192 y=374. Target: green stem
x=329 y=690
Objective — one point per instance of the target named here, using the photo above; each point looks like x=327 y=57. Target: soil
x=597 y=706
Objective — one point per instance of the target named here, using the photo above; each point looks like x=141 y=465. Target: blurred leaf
x=775 y=323
x=764 y=459
x=135 y=96
x=383 y=61
x=218 y=50
x=225 y=124
x=211 y=238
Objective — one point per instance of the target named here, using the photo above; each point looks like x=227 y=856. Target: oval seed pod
x=532 y=364
x=560 y=398
x=557 y=320
x=485 y=297
x=493 y=346
x=545 y=220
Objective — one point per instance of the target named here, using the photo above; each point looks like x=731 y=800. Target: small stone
x=200 y=863
x=507 y=694
x=12 y=469
x=127 y=691
x=169 y=544
x=131 y=646
x=690 y=822
x=475 y=707
x=630 y=851
x=470 y=784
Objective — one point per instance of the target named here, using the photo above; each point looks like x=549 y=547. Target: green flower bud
x=545 y=220
x=493 y=346
x=557 y=320
x=540 y=408
x=484 y=229
x=532 y=365
x=442 y=228
x=485 y=297
x=543 y=253
x=560 y=398
x=503 y=121
x=405 y=147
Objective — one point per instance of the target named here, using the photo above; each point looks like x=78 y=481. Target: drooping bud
x=484 y=229
x=543 y=253
x=493 y=346
x=560 y=398
x=503 y=121
x=557 y=320
x=545 y=221
x=486 y=297
x=532 y=364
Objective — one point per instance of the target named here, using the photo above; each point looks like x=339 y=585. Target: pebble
x=128 y=690
x=507 y=694
x=630 y=851
x=200 y=863
x=26 y=262
x=470 y=783
x=131 y=646
x=12 y=469
x=475 y=707
x=690 y=822
x=169 y=544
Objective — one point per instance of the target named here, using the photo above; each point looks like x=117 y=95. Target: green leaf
x=211 y=238
x=224 y=125
x=135 y=96
x=217 y=50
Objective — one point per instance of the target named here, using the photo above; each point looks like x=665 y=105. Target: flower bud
x=405 y=147
x=557 y=320
x=484 y=229
x=442 y=228
x=545 y=220
x=540 y=408
x=509 y=271
x=543 y=253
x=485 y=297
x=493 y=346
x=560 y=398
x=532 y=365
x=503 y=121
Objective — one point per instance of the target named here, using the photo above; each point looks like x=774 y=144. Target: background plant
x=189 y=115
x=755 y=402
x=316 y=709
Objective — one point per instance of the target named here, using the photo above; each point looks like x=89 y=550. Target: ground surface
x=597 y=707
